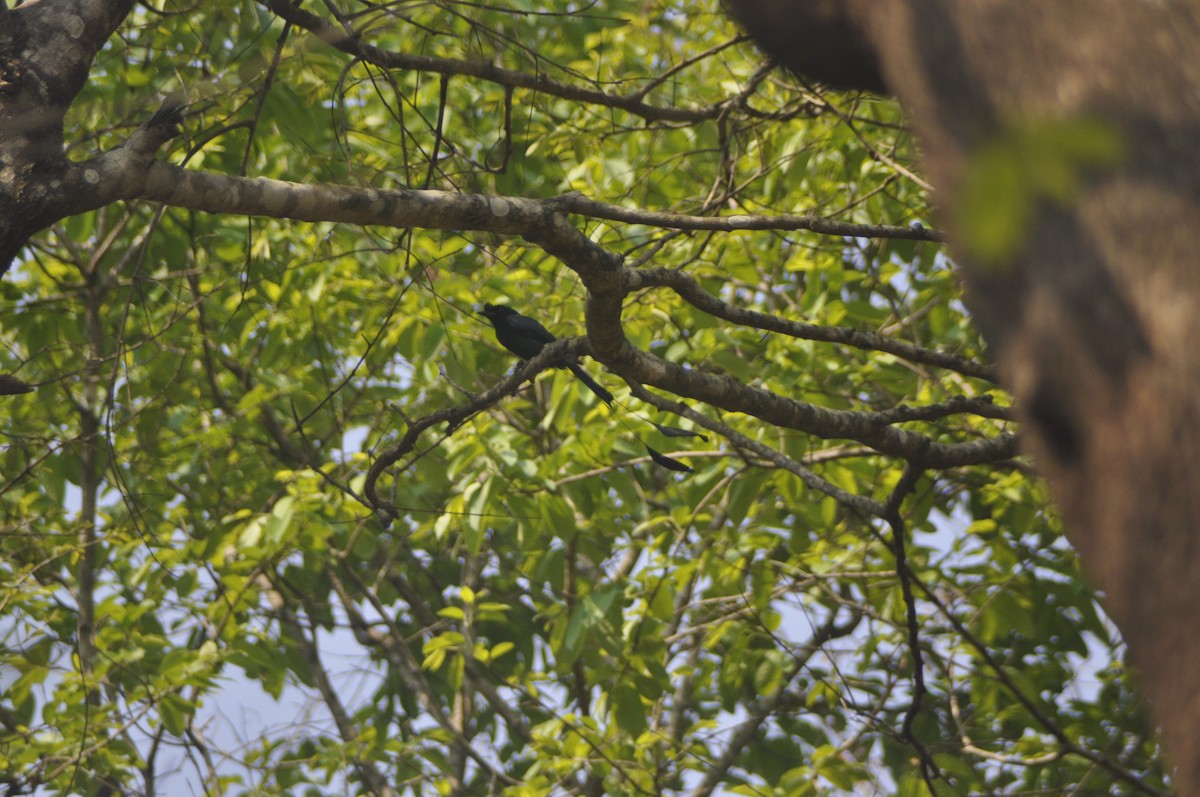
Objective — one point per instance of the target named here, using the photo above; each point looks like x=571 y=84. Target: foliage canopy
x=867 y=595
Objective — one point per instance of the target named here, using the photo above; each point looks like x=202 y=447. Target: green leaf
x=628 y=711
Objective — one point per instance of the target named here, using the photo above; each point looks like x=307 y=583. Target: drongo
x=526 y=338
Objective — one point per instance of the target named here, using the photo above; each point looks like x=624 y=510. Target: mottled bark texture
x=1096 y=321
x=46 y=51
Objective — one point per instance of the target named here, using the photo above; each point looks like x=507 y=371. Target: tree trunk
x=1094 y=313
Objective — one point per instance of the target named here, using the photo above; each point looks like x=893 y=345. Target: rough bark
x=1094 y=322
x=46 y=51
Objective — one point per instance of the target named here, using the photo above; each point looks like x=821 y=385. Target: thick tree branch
x=46 y=52
x=130 y=172
x=731 y=395
x=541 y=222
x=125 y=175
x=860 y=503
x=61 y=38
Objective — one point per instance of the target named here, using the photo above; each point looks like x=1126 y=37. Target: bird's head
x=494 y=312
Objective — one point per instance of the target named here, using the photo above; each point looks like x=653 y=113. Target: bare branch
x=352 y=45
x=689 y=290
x=456 y=416
x=578 y=203
x=717 y=771
x=908 y=482
x=859 y=503
x=305 y=640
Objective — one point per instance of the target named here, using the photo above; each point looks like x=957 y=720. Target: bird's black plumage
x=526 y=337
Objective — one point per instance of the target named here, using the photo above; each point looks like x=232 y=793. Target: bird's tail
x=592 y=384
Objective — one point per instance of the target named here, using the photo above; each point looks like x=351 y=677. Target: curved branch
x=690 y=291
x=729 y=394
x=456 y=416
x=907 y=484
x=127 y=173
x=860 y=503
x=509 y=78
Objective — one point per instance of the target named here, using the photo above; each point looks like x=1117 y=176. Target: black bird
x=526 y=338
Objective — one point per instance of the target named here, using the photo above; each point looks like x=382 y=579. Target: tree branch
x=860 y=503
x=124 y=174
x=721 y=391
x=375 y=781
x=744 y=732
x=455 y=417
x=578 y=203
x=351 y=44
x=690 y=291
x=61 y=39
x=907 y=484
